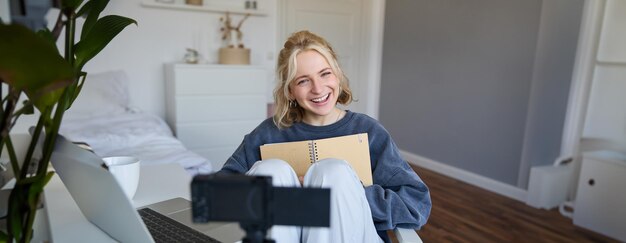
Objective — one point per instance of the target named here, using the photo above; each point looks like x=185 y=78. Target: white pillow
x=103 y=93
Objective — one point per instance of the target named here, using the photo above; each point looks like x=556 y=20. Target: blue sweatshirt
x=398 y=197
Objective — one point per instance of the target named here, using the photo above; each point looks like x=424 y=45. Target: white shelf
x=207 y=7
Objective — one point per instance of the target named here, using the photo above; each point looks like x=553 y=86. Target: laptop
x=103 y=202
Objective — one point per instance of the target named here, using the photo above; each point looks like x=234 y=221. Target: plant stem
x=13 y=158
x=15 y=202
x=70 y=28
x=58 y=26
x=5 y=125
x=13 y=96
x=28 y=231
x=48 y=147
x=51 y=134
x=19 y=112
x=2 y=113
x=53 y=130
x=35 y=139
x=30 y=215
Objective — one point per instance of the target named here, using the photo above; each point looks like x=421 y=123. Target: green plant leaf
x=84 y=9
x=4 y=237
x=78 y=88
x=47 y=178
x=92 y=10
x=47 y=99
x=15 y=220
x=28 y=108
x=103 y=31
x=71 y=4
x=16 y=211
x=45 y=34
x=30 y=64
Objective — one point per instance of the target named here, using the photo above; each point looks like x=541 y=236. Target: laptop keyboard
x=165 y=229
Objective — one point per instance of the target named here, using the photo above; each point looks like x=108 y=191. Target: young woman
x=311 y=83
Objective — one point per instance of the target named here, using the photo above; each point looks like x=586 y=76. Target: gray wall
x=458 y=84
x=554 y=65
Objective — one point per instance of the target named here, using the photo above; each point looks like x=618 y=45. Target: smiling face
x=315 y=88
x=308 y=56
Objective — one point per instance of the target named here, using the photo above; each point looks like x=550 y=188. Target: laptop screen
x=97 y=194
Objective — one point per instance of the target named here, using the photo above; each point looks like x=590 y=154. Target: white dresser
x=601 y=197
x=211 y=107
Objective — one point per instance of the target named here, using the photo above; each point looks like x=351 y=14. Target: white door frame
x=584 y=65
x=374 y=17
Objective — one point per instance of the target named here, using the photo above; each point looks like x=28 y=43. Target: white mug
x=125 y=169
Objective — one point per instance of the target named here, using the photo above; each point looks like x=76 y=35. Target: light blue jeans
x=350 y=219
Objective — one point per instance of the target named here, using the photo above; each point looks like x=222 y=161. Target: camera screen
x=230 y=198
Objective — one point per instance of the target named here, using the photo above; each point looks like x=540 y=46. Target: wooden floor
x=465 y=213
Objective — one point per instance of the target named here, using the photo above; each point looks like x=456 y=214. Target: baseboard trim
x=466 y=176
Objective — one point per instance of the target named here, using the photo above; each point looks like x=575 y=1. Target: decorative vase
x=192 y=56
x=229 y=55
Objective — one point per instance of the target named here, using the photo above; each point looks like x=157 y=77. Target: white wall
x=552 y=74
x=162 y=36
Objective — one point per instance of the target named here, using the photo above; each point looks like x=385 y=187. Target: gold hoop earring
x=292 y=104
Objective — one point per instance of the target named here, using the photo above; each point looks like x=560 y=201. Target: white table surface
x=67 y=223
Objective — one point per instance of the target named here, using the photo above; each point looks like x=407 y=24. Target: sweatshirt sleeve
x=244 y=156
x=398 y=198
x=248 y=151
x=237 y=163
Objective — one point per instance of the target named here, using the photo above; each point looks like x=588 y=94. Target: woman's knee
x=281 y=172
x=338 y=166
x=269 y=167
x=331 y=169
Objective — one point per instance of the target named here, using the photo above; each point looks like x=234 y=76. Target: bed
x=102 y=118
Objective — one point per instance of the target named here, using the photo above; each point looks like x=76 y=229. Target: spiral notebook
x=301 y=154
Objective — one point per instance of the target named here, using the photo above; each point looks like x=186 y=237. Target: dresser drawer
x=220 y=108
x=224 y=81
x=214 y=134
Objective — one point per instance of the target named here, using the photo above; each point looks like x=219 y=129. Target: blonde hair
x=288 y=111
